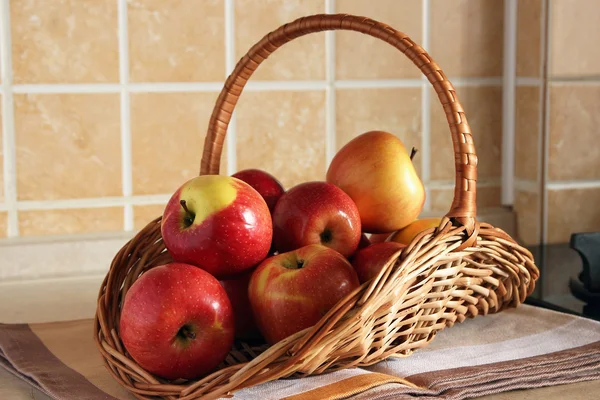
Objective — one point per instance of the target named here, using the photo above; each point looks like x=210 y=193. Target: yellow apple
x=408 y=233
x=376 y=171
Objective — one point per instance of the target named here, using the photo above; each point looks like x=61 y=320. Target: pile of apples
x=255 y=262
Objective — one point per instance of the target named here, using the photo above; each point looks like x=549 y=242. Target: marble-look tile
x=302 y=58
x=70 y=221
x=359 y=56
x=3 y=224
x=143 y=215
x=487 y=196
x=571 y=211
x=467 y=36
x=483 y=109
x=67 y=145
x=527 y=132
x=527 y=208
x=574 y=152
x=574 y=33
x=64 y=41
x=283 y=133
x=177 y=41
x=397 y=111
x=529 y=31
x=167 y=132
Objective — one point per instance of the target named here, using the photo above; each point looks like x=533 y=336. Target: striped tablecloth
x=521 y=348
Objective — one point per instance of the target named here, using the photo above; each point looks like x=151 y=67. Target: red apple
x=237 y=291
x=379 y=237
x=316 y=213
x=364 y=242
x=177 y=321
x=292 y=291
x=218 y=223
x=264 y=183
x=368 y=261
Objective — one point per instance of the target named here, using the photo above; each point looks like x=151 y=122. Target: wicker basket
x=458 y=270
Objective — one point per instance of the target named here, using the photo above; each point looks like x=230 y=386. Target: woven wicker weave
x=459 y=270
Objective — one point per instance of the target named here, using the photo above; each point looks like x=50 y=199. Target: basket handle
x=463 y=208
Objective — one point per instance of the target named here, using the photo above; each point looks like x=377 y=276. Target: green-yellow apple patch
x=207 y=195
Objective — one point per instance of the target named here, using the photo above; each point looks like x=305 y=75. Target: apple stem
x=412 y=153
x=184 y=205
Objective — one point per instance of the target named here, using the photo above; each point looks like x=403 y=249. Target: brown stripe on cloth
x=37 y=363
x=577 y=356
x=7 y=366
x=567 y=366
x=73 y=344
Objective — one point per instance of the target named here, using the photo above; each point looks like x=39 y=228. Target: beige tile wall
x=557 y=153
x=283 y=132
x=573 y=134
x=108 y=101
x=64 y=41
x=175 y=41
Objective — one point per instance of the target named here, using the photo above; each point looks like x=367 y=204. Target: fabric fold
x=523 y=348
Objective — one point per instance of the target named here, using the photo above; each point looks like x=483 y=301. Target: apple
x=364 y=242
x=292 y=291
x=368 y=262
x=237 y=291
x=375 y=170
x=408 y=233
x=379 y=237
x=316 y=213
x=177 y=322
x=218 y=223
x=264 y=183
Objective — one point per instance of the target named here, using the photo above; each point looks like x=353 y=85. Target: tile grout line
x=99 y=202
x=330 y=90
x=231 y=138
x=525 y=185
x=8 y=124
x=539 y=226
x=426 y=112
x=528 y=81
x=569 y=185
x=126 y=156
x=508 y=102
x=254 y=85
x=545 y=136
x=120 y=201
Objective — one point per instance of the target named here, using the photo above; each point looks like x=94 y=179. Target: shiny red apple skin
x=237 y=291
x=287 y=300
x=231 y=230
x=368 y=262
x=316 y=213
x=156 y=308
x=264 y=183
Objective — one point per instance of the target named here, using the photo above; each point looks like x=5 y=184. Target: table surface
x=70 y=299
